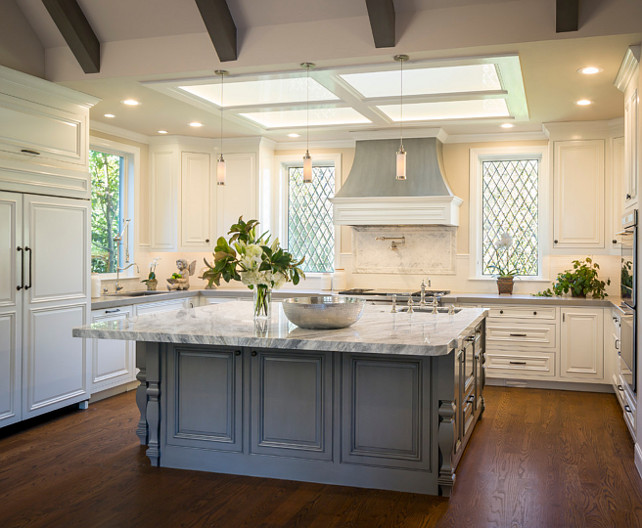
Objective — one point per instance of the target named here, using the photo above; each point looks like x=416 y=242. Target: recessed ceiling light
x=294 y=135
x=110 y=116
x=162 y=132
x=195 y=124
x=584 y=102
x=130 y=102
x=590 y=70
x=507 y=125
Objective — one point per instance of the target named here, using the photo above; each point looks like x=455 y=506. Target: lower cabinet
x=173 y=305
x=582 y=344
x=113 y=360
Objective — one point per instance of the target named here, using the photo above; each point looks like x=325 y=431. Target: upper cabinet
x=578 y=194
x=189 y=211
x=627 y=81
x=44 y=136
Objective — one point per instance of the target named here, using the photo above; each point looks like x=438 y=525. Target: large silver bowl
x=323 y=312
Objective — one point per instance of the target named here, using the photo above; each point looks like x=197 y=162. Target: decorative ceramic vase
x=262 y=301
x=505 y=285
x=152 y=284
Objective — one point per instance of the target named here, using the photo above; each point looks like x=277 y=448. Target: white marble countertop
x=231 y=324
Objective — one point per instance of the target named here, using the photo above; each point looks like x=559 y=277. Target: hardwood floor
x=539 y=458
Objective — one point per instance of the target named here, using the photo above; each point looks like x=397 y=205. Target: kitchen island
x=388 y=403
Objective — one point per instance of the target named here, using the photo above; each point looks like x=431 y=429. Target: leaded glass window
x=310 y=226
x=510 y=217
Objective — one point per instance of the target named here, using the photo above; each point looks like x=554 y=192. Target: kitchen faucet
x=118 y=239
x=422 y=301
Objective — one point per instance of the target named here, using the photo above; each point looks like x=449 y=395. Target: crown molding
x=628 y=67
x=112 y=130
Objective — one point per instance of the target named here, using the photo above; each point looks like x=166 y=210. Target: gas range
x=386 y=295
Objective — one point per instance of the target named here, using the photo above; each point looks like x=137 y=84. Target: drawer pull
x=471 y=398
x=112 y=311
x=628 y=409
x=534 y=313
x=237 y=352
x=620 y=388
x=518 y=362
x=617 y=344
x=253 y=353
x=501 y=311
x=517 y=335
x=29 y=151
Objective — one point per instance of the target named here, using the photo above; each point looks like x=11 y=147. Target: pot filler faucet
x=118 y=239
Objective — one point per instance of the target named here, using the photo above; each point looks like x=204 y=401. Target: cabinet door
x=161 y=306
x=197 y=212
x=163 y=198
x=618 y=193
x=56 y=367
x=10 y=307
x=582 y=343
x=579 y=194
x=112 y=359
x=238 y=197
x=631 y=106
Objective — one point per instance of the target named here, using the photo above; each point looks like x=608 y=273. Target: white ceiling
x=165 y=40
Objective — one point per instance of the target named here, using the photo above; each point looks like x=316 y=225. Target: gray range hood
x=373 y=196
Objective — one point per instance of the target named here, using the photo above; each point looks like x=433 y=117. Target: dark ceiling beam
x=77 y=32
x=382 y=22
x=567 y=15
x=221 y=27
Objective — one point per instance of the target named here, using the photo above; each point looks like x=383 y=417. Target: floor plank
x=539 y=458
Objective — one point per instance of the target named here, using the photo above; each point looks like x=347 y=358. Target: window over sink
x=507 y=207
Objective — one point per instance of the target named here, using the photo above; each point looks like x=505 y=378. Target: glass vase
x=262 y=302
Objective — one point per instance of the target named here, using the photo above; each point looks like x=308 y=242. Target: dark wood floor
x=539 y=458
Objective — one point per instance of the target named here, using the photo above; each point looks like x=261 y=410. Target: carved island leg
x=447 y=438
x=153 y=403
x=141 y=392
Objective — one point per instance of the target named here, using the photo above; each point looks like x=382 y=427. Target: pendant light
x=401 y=153
x=220 y=162
x=307 y=159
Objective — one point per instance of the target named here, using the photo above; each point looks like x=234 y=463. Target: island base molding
x=390 y=422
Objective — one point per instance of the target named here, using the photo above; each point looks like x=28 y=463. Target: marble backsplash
x=414 y=249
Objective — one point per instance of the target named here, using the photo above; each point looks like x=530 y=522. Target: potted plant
x=581 y=281
x=505 y=273
x=151 y=281
x=251 y=259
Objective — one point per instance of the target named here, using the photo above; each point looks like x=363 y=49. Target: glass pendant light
x=307 y=159
x=401 y=153
x=220 y=162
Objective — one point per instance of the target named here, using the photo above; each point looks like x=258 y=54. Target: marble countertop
x=231 y=324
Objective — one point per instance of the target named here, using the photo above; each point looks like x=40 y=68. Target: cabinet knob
x=534 y=313
x=628 y=196
x=501 y=311
x=237 y=352
x=207 y=240
x=554 y=241
x=614 y=241
x=253 y=353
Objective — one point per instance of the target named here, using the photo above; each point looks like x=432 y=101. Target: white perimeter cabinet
x=44 y=258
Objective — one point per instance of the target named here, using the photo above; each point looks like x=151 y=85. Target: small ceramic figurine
x=180 y=280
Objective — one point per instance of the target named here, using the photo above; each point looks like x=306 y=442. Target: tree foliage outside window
x=106 y=209
x=510 y=207
x=310 y=225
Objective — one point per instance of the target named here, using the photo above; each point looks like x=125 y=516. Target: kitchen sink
x=139 y=293
x=428 y=309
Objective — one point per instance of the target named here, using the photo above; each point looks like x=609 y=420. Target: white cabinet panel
x=579 y=194
x=164 y=193
x=10 y=240
x=10 y=382
x=238 y=197
x=54 y=363
x=56 y=248
x=582 y=343
x=631 y=109
x=197 y=214
x=112 y=359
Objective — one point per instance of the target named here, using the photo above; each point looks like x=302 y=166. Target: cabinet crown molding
x=628 y=67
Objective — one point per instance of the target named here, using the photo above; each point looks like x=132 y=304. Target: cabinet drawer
x=161 y=306
x=520 y=334
x=505 y=365
x=522 y=312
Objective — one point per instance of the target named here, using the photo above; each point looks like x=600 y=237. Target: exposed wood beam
x=77 y=32
x=382 y=22
x=567 y=14
x=221 y=27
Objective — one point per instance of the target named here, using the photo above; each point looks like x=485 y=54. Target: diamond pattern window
x=310 y=226
x=510 y=217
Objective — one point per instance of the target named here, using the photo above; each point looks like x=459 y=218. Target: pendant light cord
x=307 y=108
x=222 y=75
x=401 y=103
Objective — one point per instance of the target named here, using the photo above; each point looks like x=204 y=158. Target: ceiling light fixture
x=294 y=135
x=401 y=153
x=130 y=102
x=220 y=162
x=507 y=125
x=162 y=132
x=589 y=70
x=195 y=124
x=584 y=102
x=110 y=116
x=307 y=160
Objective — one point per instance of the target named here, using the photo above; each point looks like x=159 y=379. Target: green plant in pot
x=505 y=271
x=581 y=281
x=151 y=281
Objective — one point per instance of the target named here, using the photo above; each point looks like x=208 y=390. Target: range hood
x=372 y=196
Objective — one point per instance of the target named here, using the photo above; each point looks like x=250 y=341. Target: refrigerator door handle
x=22 y=268
x=27 y=248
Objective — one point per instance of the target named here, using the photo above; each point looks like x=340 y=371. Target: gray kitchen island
x=388 y=403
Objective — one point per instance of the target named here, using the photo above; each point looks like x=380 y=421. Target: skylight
x=426 y=81
x=297 y=118
x=261 y=92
